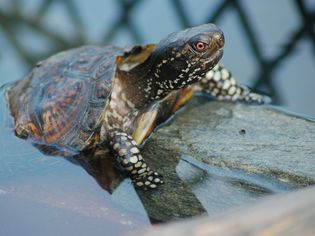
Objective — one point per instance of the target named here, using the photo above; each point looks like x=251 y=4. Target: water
x=63 y=196
x=58 y=196
x=239 y=185
x=39 y=191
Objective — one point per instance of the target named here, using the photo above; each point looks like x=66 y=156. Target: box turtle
x=115 y=97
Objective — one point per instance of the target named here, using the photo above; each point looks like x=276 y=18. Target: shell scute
x=60 y=101
x=56 y=106
x=85 y=62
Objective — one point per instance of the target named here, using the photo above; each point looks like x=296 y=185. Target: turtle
x=116 y=97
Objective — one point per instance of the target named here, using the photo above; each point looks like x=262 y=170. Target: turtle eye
x=200 y=46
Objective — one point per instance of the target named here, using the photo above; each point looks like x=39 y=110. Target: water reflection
x=102 y=167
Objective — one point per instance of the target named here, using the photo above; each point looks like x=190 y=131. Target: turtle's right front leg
x=130 y=159
x=220 y=83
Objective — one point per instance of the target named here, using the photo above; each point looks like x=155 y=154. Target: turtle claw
x=150 y=180
x=255 y=98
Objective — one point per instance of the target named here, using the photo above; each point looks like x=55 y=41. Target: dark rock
x=215 y=155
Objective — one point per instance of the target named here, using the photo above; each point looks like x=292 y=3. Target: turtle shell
x=60 y=101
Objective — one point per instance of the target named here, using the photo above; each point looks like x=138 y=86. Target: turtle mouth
x=217 y=56
x=210 y=62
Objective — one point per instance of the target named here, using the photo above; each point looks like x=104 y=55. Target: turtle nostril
x=218 y=37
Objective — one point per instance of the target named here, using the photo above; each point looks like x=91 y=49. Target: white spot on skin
x=226 y=85
x=144 y=165
x=159 y=92
x=133 y=142
x=232 y=90
x=116 y=146
x=232 y=80
x=147 y=89
x=225 y=74
x=130 y=168
x=123 y=96
x=134 y=150
x=133 y=159
x=204 y=81
x=122 y=152
x=215 y=92
x=171 y=85
x=238 y=91
x=185 y=70
x=217 y=76
x=138 y=164
x=112 y=104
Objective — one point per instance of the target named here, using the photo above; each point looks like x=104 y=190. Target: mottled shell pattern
x=63 y=96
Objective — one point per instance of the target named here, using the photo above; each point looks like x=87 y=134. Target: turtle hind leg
x=130 y=159
x=220 y=83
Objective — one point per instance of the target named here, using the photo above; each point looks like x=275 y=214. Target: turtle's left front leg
x=220 y=83
x=130 y=159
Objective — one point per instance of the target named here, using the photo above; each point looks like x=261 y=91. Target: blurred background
x=270 y=45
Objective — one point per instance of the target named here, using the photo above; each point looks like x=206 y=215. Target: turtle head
x=184 y=57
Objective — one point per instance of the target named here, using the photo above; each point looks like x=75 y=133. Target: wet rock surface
x=280 y=214
x=215 y=155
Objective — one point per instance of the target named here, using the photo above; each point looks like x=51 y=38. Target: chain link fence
x=14 y=21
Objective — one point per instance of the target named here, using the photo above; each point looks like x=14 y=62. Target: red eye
x=200 y=46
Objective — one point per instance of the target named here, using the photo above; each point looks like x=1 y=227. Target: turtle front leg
x=130 y=159
x=220 y=83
